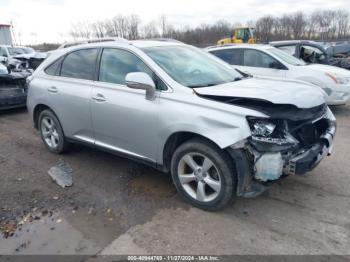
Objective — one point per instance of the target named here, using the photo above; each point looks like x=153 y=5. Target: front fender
x=222 y=133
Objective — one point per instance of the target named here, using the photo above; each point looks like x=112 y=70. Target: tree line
x=326 y=25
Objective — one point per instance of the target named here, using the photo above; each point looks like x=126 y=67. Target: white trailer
x=5 y=35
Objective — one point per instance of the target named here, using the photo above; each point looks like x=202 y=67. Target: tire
x=214 y=175
x=51 y=129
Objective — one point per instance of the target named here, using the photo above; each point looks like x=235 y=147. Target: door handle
x=52 y=89
x=99 y=98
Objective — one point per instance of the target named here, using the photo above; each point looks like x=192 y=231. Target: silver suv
x=181 y=110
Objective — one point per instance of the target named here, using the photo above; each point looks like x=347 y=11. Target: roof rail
x=93 y=40
x=163 y=40
x=215 y=46
x=107 y=39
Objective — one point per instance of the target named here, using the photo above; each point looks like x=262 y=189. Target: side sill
x=120 y=154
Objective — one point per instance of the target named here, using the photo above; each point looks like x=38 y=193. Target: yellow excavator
x=239 y=35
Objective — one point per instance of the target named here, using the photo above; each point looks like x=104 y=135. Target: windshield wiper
x=244 y=75
x=203 y=85
x=215 y=84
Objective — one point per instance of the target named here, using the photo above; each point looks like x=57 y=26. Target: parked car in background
x=314 y=52
x=21 y=58
x=8 y=53
x=34 y=58
x=13 y=89
x=179 y=109
x=265 y=60
x=340 y=49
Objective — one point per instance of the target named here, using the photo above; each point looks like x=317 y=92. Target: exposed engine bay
x=287 y=147
x=291 y=141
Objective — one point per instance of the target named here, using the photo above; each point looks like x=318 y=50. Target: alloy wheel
x=199 y=177
x=49 y=132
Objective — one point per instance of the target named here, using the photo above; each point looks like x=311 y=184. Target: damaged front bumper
x=12 y=98
x=306 y=160
x=13 y=91
x=302 y=148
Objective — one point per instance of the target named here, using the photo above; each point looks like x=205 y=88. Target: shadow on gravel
x=14 y=111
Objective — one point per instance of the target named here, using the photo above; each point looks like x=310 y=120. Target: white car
x=265 y=60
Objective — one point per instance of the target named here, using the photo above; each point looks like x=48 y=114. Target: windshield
x=28 y=50
x=192 y=67
x=15 y=51
x=286 y=57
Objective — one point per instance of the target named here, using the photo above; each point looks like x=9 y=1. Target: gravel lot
x=117 y=206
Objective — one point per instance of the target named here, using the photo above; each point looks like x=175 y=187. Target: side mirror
x=139 y=80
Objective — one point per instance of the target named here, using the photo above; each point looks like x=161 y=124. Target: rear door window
x=231 y=56
x=255 y=58
x=80 y=64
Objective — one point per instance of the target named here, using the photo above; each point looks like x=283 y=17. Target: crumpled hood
x=329 y=69
x=277 y=92
x=23 y=56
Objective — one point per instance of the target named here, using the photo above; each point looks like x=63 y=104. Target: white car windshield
x=15 y=51
x=192 y=67
x=289 y=59
x=28 y=50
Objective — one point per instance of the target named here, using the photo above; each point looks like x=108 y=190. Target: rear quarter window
x=54 y=68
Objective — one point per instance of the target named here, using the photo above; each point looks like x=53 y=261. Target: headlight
x=270 y=134
x=338 y=79
x=261 y=127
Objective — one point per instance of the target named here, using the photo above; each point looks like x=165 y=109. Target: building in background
x=5 y=35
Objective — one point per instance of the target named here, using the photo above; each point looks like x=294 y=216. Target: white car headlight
x=338 y=79
x=261 y=127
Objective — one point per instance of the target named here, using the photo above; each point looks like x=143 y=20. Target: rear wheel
x=203 y=174
x=51 y=132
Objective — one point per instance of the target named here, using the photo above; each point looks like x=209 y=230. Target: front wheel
x=203 y=174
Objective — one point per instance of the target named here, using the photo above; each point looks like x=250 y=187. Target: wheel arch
x=175 y=140
x=36 y=113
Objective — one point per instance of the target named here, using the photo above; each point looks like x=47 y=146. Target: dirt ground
x=117 y=206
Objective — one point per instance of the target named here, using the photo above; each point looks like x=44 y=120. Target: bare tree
x=81 y=30
x=264 y=27
x=120 y=23
x=282 y=27
x=150 y=30
x=163 y=22
x=298 y=24
x=342 y=18
x=99 y=29
x=133 y=22
x=321 y=24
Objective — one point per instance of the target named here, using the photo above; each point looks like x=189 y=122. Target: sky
x=37 y=21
